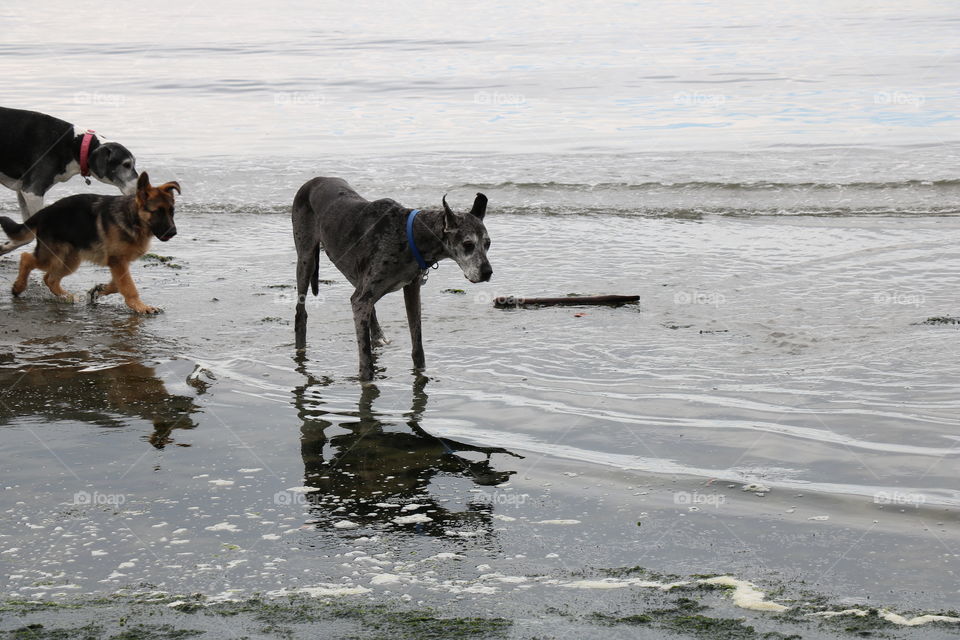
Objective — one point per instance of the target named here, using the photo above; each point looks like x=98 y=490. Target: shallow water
x=784 y=271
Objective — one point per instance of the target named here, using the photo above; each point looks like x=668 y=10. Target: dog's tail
x=315 y=276
x=19 y=234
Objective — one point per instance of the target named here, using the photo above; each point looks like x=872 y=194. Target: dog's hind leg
x=362 y=303
x=28 y=262
x=60 y=268
x=411 y=300
x=307 y=266
x=376 y=333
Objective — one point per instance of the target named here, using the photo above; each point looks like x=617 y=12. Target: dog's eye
x=486 y=243
x=469 y=247
x=127 y=164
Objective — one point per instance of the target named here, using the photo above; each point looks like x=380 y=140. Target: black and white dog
x=38 y=151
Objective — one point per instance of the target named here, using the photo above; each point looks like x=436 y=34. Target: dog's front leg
x=362 y=303
x=29 y=203
x=411 y=300
x=126 y=287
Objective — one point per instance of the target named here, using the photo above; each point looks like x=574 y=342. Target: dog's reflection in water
x=377 y=463
x=55 y=388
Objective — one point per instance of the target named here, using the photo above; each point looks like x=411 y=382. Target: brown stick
x=508 y=302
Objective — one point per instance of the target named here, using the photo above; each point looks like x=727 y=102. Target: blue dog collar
x=413 y=245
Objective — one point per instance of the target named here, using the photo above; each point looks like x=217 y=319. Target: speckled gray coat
x=367 y=242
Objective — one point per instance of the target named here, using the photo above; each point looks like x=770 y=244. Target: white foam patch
x=846 y=612
x=413 y=519
x=889 y=616
x=745 y=594
x=321 y=591
x=617 y=583
x=223 y=526
x=345 y=524
x=557 y=522
x=917 y=621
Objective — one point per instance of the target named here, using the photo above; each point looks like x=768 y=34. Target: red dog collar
x=85 y=152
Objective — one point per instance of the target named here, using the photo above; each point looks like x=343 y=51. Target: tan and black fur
x=111 y=231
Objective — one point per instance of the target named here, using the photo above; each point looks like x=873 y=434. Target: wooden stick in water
x=507 y=302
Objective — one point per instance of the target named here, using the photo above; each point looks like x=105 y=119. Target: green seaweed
x=935 y=320
x=155 y=632
x=704 y=626
x=37 y=631
x=608 y=620
x=154 y=259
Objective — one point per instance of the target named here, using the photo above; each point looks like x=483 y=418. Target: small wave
x=697 y=185
x=613 y=210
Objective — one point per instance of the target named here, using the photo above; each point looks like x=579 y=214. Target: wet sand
x=718 y=428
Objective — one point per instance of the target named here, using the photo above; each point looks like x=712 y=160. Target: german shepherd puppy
x=111 y=231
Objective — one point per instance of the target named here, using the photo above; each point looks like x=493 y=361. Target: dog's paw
x=94 y=294
x=149 y=311
x=68 y=298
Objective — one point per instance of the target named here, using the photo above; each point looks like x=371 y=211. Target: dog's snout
x=486 y=271
x=169 y=234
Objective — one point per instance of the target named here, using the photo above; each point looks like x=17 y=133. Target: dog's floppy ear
x=166 y=188
x=449 y=217
x=104 y=149
x=479 y=206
